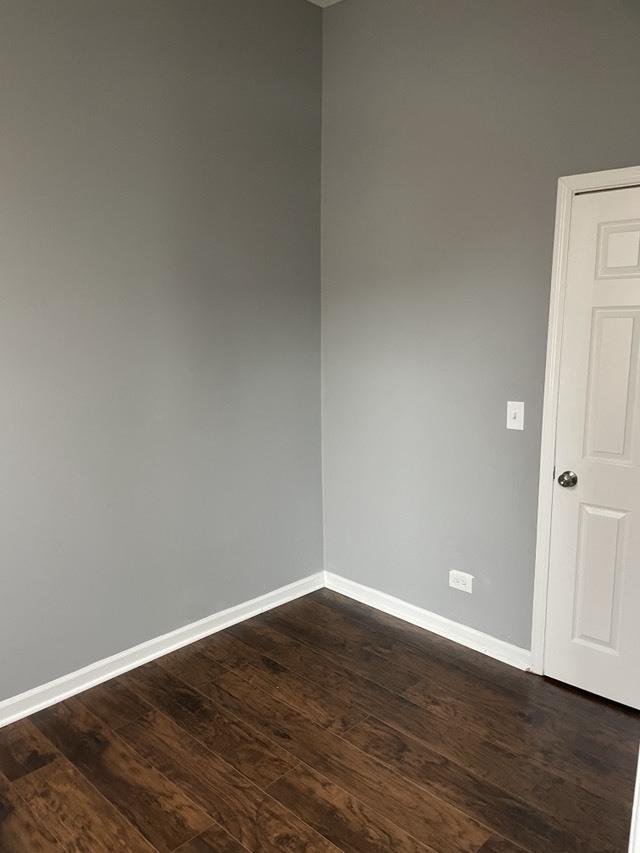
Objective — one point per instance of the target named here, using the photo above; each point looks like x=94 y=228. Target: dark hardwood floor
x=321 y=726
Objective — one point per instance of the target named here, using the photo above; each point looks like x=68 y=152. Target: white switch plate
x=515 y=415
x=461 y=580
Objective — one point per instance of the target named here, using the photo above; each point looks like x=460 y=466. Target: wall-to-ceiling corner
x=160 y=319
x=445 y=129
x=324 y=4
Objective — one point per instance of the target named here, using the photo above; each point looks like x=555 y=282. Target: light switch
x=515 y=415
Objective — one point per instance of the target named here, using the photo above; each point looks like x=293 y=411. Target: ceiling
x=324 y=3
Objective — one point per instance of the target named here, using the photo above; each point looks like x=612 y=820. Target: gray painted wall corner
x=445 y=129
x=159 y=330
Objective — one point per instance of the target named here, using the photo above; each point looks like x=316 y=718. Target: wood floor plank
x=427 y=643
x=548 y=706
x=340 y=633
x=594 y=749
x=450 y=693
x=598 y=765
x=500 y=845
x=153 y=804
x=597 y=717
x=20 y=830
x=260 y=759
x=426 y=817
x=114 y=703
x=22 y=750
x=520 y=778
x=511 y=818
x=351 y=825
x=321 y=726
x=523 y=729
x=71 y=808
x=523 y=726
x=245 y=811
x=214 y=840
x=305 y=661
x=309 y=623
x=326 y=708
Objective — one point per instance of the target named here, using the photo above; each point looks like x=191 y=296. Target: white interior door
x=593 y=605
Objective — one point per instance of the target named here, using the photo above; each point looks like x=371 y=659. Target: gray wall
x=446 y=126
x=159 y=318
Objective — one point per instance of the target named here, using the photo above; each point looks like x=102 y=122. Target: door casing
x=568 y=189
x=634 y=839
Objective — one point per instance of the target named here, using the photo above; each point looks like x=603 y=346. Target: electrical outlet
x=461 y=580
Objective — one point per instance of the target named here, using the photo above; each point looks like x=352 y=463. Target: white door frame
x=634 y=840
x=568 y=188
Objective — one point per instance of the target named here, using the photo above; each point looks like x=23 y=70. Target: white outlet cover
x=461 y=581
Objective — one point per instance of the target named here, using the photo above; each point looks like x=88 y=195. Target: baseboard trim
x=465 y=636
x=27 y=703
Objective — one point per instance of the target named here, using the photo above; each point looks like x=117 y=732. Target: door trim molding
x=634 y=838
x=568 y=188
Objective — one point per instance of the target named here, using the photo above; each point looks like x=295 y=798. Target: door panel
x=593 y=606
x=597 y=591
x=613 y=380
x=619 y=248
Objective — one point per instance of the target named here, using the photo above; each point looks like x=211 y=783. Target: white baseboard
x=61 y=688
x=41 y=697
x=469 y=637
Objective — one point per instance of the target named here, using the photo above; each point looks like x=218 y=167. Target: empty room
x=319 y=426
